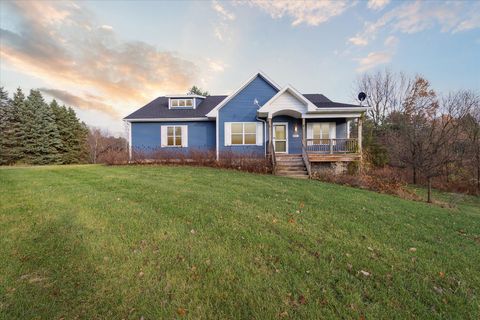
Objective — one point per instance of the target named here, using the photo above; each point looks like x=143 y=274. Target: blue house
x=300 y=133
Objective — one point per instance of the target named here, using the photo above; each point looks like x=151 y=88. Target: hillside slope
x=98 y=242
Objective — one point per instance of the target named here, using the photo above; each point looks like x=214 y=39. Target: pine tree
x=78 y=147
x=44 y=143
x=64 y=130
x=20 y=118
x=6 y=133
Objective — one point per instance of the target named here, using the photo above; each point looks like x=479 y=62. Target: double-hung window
x=243 y=133
x=174 y=136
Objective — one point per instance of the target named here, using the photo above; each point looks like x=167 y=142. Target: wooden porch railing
x=272 y=157
x=331 y=146
x=306 y=160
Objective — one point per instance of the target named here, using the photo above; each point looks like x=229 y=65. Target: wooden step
x=291 y=168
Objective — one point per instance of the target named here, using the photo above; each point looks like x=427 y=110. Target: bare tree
x=407 y=141
x=429 y=131
x=385 y=91
x=100 y=143
x=471 y=132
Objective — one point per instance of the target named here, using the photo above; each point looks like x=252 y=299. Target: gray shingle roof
x=158 y=108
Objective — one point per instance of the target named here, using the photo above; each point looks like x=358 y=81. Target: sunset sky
x=108 y=58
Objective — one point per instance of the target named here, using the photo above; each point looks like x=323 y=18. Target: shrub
x=228 y=160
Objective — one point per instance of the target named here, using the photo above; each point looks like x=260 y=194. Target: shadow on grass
x=53 y=273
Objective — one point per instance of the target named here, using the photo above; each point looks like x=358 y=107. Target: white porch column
x=360 y=125
x=270 y=135
x=304 y=133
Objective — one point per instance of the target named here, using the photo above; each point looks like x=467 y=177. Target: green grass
x=94 y=242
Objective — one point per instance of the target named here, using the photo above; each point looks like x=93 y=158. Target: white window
x=321 y=132
x=243 y=133
x=182 y=103
x=174 y=136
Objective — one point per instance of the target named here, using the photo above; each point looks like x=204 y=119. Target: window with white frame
x=321 y=132
x=181 y=103
x=174 y=136
x=243 y=133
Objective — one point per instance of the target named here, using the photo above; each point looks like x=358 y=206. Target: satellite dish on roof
x=362 y=96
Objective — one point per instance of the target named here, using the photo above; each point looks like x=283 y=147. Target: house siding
x=198 y=101
x=146 y=136
x=242 y=109
x=294 y=143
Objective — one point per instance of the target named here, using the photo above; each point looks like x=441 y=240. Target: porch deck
x=332 y=150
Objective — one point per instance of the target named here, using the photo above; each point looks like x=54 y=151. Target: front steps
x=291 y=165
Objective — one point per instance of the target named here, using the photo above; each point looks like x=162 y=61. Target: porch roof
x=290 y=102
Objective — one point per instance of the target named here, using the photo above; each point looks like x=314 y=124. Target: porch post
x=360 y=124
x=270 y=134
x=303 y=133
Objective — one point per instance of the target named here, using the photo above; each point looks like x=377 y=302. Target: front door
x=280 y=137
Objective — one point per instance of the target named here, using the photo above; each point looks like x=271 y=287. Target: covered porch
x=298 y=128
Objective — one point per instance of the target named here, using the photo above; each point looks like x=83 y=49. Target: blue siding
x=146 y=135
x=242 y=109
x=198 y=101
x=294 y=143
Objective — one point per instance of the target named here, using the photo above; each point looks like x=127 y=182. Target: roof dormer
x=185 y=101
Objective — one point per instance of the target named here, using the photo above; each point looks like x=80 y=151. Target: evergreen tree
x=60 y=114
x=44 y=143
x=78 y=145
x=20 y=119
x=6 y=133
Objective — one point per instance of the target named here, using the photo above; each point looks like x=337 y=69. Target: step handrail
x=306 y=159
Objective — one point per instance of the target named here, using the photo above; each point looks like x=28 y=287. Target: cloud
x=63 y=43
x=310 y=12
x=224 y=13
x=377 y=4
x=221 y=29
x=358 y=41
x=106 y=27
x=391 y=41
x=413 y=17
x=373 y=59
x=216 y=65
x=89 y=102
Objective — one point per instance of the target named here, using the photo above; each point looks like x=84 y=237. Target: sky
x=108 y=58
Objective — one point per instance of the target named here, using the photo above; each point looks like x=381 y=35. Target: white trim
x=264 y=110
x=183 y=136
x=286 y=135
x=229 y=123
x=214 y=112
x=217 y=120
x=332 y=130
x=339 y=109
x=167 y=119
x=184 y=96
x=348 y=128
x=332 y=115
x=171 y=107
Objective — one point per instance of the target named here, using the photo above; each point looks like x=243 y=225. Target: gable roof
x=267 y=107
x=214 y=112
x=158 y=109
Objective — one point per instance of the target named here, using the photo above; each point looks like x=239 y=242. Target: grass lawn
x=94 y=242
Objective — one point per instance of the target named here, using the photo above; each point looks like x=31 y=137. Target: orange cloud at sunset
x=64 y=45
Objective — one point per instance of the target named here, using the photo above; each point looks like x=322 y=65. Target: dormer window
x=181 y=103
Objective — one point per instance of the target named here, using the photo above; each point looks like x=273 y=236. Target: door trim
x=286 y=136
